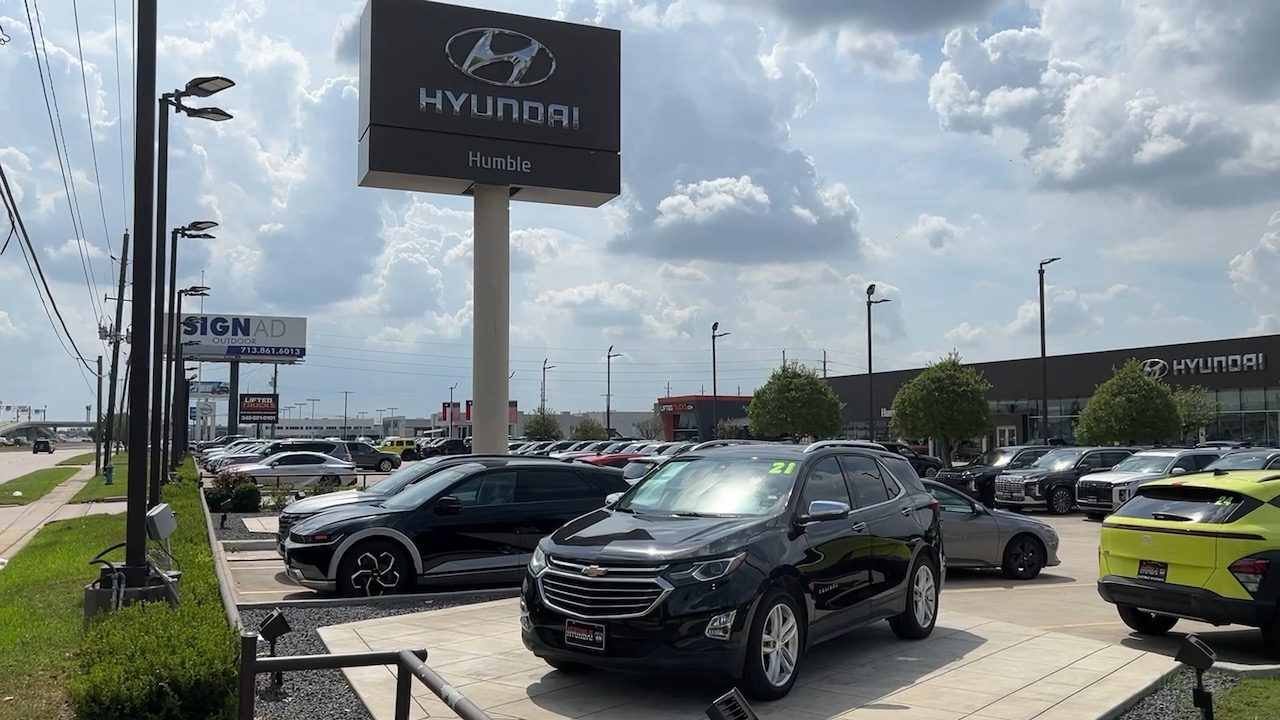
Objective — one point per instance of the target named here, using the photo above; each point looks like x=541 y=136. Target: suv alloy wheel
x=775 y=647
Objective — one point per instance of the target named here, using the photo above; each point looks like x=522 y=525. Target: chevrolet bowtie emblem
x=594 y=571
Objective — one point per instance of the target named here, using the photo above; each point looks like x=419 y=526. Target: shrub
x=246 y=498
x=238 y=488
x=153 y=662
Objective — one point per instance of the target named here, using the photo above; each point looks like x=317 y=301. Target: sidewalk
x=19 y=523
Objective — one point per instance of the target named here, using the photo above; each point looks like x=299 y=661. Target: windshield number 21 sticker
x=782 y=468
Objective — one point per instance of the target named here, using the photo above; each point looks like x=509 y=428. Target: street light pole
x=177 y=374
x=1044 y=362
x=608 y=390
x=346 y=395
x=715 y=390
x=871 y=392
x=451 y=389
x=542 y=407
x=194 y=230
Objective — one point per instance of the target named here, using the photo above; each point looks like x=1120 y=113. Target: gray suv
x=1099 y=494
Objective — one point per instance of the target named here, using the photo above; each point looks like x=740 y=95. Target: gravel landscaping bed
x=325 y=694
x=1173 y=700
x=235 y=529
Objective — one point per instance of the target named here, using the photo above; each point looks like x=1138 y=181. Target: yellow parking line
x=1039 y=586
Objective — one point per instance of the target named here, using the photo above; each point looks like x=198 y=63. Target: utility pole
x=668 y=389
x=97 y=419
x=275 y=388
x=346 y=395
x=116 y=338
x=542 y=407
x=824 y=364
x=451 y=389
x=784 y=357
x=608 y=390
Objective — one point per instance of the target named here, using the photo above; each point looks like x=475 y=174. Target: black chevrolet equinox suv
x=734 y=561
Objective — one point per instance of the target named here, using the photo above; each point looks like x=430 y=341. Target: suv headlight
x=710 y=570
x=320 y=537
x=537 y=563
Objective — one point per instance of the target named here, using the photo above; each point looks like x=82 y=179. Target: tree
x=650 y=428
x=795 y=401
x=1131 y=407
x=543 y=425
x=589 y=429
x=946 y=401
x=1196 y=408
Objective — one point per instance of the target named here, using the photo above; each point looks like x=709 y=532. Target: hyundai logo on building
x=527 y=62
x=1155 y=367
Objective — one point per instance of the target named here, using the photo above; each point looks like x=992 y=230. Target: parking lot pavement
x=17 y=463
x=1064 y=599
x=970 y=668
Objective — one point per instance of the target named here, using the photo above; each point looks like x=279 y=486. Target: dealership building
x=1235 y=372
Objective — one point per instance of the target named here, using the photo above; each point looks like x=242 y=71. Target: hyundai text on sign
x=451 y=96
x=245 y=338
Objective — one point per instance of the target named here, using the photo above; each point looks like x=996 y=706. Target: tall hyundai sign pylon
x=502 y=107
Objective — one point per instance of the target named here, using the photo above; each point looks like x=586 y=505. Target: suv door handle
x=906 y=511
x=859 y=527
x=527 y=529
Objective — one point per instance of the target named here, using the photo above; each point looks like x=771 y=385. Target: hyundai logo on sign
x=518 y=60
x=1155 y=367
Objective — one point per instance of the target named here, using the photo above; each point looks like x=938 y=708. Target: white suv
x=1099 y=494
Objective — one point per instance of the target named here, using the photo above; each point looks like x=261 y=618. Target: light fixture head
x=871 y=289
x=207 y=85
x=715 y=326
x=200 y=236
x=208 y=113
x=1048 y=261
x=200 y=226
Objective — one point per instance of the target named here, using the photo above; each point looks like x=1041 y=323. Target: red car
x=616 y=460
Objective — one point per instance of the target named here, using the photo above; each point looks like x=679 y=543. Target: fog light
x=721 y=626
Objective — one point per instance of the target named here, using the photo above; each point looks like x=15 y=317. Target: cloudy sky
x=778 y=155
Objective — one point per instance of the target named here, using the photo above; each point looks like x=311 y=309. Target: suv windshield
x=419 y=493
x=404 y=477
x=1240 y=461
x=738 y=486
x=1144 y=464
x=1058 y=459
x=997 y=457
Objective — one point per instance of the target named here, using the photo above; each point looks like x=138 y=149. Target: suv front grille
x=602 y=592
x=287 y=521
x=1096 y=492
x=1009 y=485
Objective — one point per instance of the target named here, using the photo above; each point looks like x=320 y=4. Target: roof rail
x=864 y=444
x=723 y=443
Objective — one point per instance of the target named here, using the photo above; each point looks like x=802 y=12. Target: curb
x=1140 y=694
x=247 y=545
x=219 y=564
x=1250 y=671
x=326 y=602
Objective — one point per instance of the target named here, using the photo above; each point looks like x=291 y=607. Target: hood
x=1028 y=473
x=320 y=503
x=1119 y=478
x=609 y=535
x=342 y=515
x=253 y=467
x=1009 y=518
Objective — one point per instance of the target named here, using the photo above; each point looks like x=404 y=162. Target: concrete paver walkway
x=19 y=523
x=971 y=668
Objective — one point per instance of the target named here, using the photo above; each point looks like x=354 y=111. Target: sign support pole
x=491 y=324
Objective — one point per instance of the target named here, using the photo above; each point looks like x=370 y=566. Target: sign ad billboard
x=259 y=408
x=451 y=96
x=243 y=338
x=209 y=389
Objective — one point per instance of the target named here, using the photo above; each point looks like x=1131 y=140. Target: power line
x=88 y=116
x=55 y=127
x=124 y=201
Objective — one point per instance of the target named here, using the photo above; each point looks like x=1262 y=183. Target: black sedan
x=469 y=524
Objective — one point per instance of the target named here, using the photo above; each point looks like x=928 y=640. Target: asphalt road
x=16 y=463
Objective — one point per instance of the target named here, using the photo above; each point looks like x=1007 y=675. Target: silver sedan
x=976 y=537
x=299 y=469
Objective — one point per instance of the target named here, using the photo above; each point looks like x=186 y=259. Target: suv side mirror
x=825 y=510
x=1177 y=471
x=612 y=499
x=448 y=505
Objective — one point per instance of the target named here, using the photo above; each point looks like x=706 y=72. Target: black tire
x=374 y=567
x=384 y=465
x=755 y=680
x=1145 y=623
x=1271 y=637
x=931 y=471
x=408 y=455
x=1024 y=557
x=1095 y=515
x=1059 y=501
x=910 y=625
x=569 y=668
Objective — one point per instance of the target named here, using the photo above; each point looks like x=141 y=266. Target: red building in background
x=694 y=417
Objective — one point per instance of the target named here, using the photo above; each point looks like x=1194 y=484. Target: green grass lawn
x=98 y=489
x=34 y=485
x=1249 y=699
x=41 y=591
x=85 y=459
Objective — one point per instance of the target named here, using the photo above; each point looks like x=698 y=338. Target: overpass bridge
x=25 y=426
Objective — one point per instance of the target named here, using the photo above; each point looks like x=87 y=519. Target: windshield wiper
x=1170 y=516
x=689 y=513
x=629 y=511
